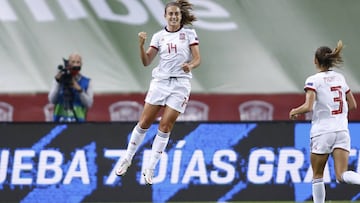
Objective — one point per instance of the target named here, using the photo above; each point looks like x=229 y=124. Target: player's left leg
x=340 y=154
x=160 y=142
x=341 y=157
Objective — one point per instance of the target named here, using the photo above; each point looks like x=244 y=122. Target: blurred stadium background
x=251 y=50
x=256 y=55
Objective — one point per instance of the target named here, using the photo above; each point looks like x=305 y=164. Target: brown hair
x=328 y=58
x=185 y=8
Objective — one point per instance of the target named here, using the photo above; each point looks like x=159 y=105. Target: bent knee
x=339 y=178
x=165 y=128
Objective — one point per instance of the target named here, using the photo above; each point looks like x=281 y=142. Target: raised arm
x=146 y=56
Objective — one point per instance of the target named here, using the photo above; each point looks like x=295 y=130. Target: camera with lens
x=66 y=78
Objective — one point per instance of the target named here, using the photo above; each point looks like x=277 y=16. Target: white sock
x=350 y=177
x=137 y=136
x=160 y=142
x=318 y=190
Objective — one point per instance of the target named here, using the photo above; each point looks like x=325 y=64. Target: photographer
x=71 y=92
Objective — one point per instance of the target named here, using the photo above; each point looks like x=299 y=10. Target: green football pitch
x=269 y=202
x=329 y=201
x=272 y=202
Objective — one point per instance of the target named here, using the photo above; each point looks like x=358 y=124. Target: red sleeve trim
x=196 y=43
x=155 y=47
x=309 y=88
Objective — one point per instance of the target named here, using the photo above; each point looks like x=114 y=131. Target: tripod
x=70 y=114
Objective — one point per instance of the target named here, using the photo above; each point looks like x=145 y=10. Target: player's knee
x=339 y=178
x=165 y=127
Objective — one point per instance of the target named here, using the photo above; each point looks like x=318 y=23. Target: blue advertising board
x=218 y=162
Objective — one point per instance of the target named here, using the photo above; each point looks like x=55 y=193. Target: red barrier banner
x=127 y=107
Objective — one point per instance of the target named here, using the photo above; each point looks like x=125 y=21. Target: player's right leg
x=320 y=150
x=137 y=136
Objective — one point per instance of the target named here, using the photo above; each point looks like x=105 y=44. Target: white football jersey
x=174 y=50
x=330 y=110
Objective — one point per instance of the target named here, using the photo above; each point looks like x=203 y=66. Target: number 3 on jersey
x=337 y=99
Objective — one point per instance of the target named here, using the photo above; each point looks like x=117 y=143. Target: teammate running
x=329 y=97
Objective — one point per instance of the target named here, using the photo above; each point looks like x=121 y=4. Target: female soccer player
x=329 y=97
x=178 y=49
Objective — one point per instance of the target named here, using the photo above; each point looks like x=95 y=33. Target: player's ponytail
x=186 y=8
x=337 y=51
x=328 y=58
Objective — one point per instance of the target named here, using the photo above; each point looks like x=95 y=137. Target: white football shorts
x=326 y=143
x=173 y=92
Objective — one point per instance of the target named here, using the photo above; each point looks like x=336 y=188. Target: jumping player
x=178 y=49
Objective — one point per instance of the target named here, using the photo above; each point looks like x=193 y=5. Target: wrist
x=80 y=90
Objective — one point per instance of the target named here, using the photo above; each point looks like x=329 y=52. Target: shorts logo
x=184 y=102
